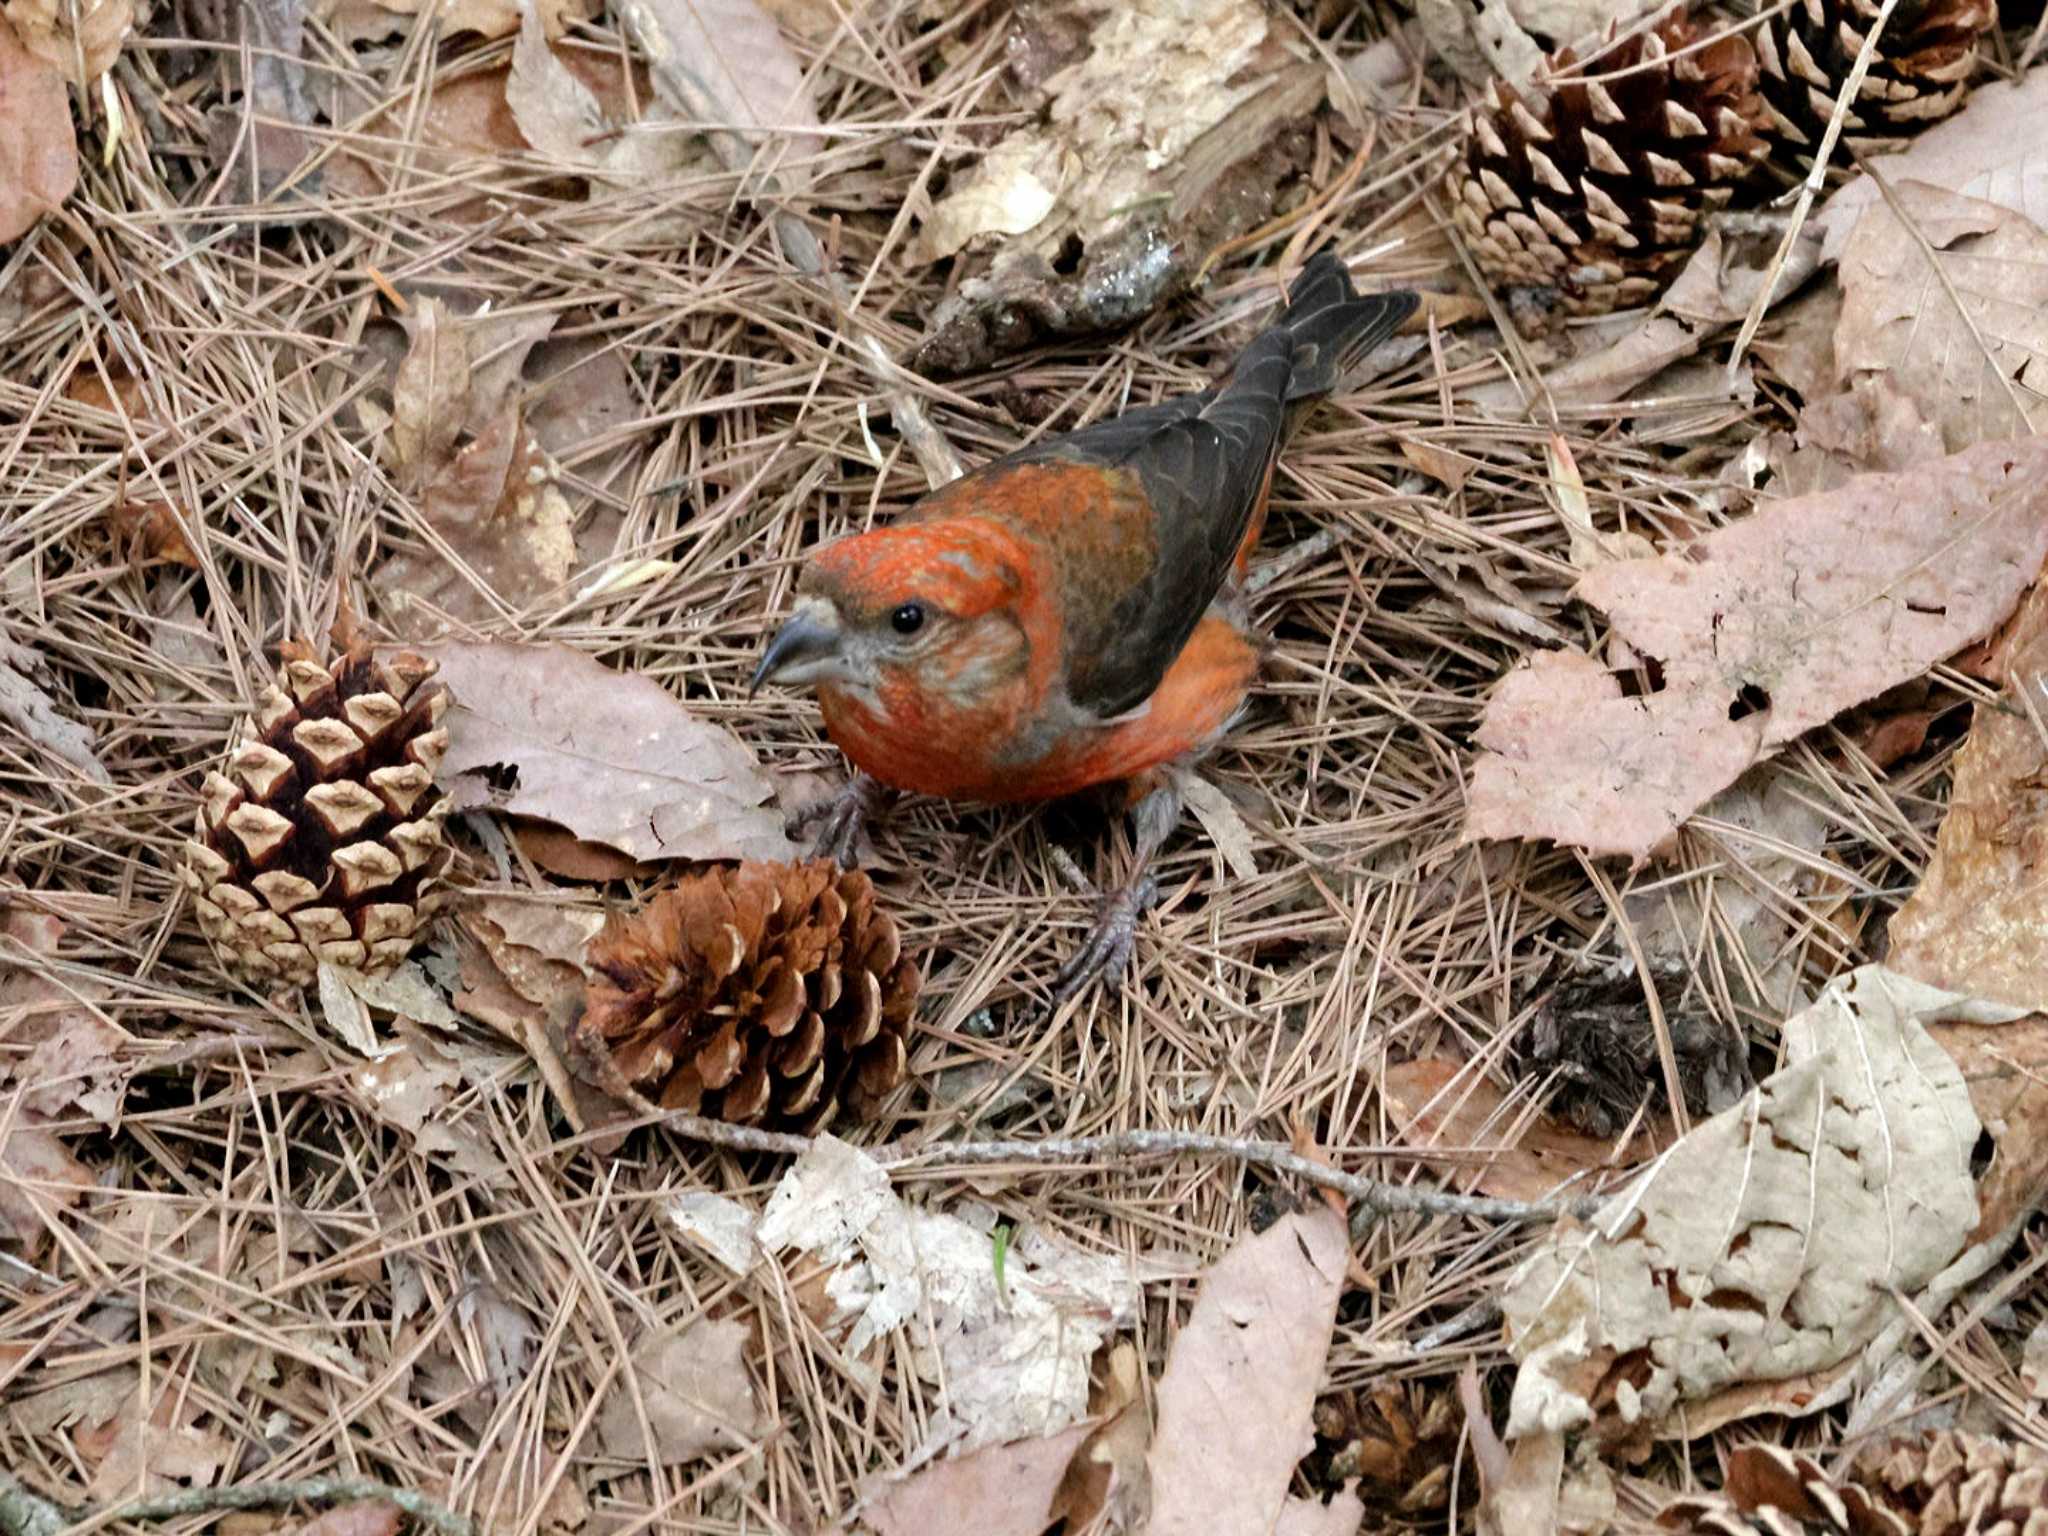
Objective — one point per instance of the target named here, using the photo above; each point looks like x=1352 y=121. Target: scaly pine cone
x=322 y=838
x=1920 y=73
x=1596 y=187
x=767 y=993
x=1942 y=1484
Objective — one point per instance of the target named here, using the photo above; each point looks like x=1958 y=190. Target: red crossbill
x=1072 y=614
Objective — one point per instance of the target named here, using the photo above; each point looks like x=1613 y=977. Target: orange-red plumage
x=1069 y=615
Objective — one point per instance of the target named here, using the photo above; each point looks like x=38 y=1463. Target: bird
x=1072 y=614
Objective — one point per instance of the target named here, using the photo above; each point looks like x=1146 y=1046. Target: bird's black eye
x=908 y=619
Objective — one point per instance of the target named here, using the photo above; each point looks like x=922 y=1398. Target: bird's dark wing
x=1204 y=463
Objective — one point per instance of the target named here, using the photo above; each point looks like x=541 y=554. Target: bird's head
x=930 y=608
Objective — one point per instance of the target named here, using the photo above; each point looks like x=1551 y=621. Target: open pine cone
x=766 y=993
x=1946 y=1483
x=322 y=838
x=1595 y=188
x=1920 y=72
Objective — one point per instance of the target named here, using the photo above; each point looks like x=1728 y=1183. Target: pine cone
x=1920 y=73
x=1943 y=1484
x=1596 y=187
x=1948 y=1482
x=321 y=840
x=1398 y=1442
x=766 y=993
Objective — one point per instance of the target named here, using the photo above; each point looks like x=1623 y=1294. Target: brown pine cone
x=773 y=993
x=322 y=838
x=1942 y=1484
x=1947 y=1482
x=1920 y=72
x=1593 y=190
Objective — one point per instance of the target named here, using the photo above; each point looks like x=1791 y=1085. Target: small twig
x=1374 y=1197
x=23 y=1513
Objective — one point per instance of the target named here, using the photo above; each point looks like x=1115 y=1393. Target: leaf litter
x=225 y=1219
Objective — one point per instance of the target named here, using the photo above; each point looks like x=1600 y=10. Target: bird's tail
x=1332 y=327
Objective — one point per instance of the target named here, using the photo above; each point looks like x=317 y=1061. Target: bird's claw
x=840 y=817
x=1107 y=951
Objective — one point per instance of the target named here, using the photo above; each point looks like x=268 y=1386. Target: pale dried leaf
x=361 y=1517
x=1446 y=1105
x=410 y=1085
x=28 y=709
x=723 y=63
x=59 y=34
x=1440 y=464
x=156 y=1452
x=698 y=1395
x=2034 y=1361
x=1979 y=371
x=1799 y=611
x=41 y=1178
x=723 y=1228
x=1589 y=546
x=404 y=991
x=612 y=756
x=430 y=397
x=999 y=1490
x=1220 y=819
x=1236 y=1401
x=76 y=1056
x=346 y=1014
x=1342 y=1516
x=1771 y=1241
x=38 y=148
x=564 y=119
x=506 y=1333
x=1978 y=923
x=1014 y=1359
x=1992 y=149
x=358 y=21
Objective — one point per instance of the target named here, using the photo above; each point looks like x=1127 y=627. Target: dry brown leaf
x=430 y=396
x=41 y=1179
x=1979 y=921
x=612 y=756
x=1440 y=464
x=411 y=1086
x=1236 y=1401
x=509 y=1482
x=564 y=119
x=74 y=1056
x=698 y=1395
x=1764 y=629
x=1979 y=371
x=723 y=63
x=368 y=21
x=999 y=1490
x=1589 y=546
x=1443 y=1104
x=155 y=1453
x=1771 y=1241
x=1484 y=42
x=1162 y=141
x=28 y=709
x=499 y=507
x=1991 y=150
x=361 y=1517
x=59 y=35
x=1716 y=288
x=38 y=148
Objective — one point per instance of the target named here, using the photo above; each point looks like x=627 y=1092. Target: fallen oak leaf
x=1442 y=1104
x=612 y=756
x=999 y=1490
x=1977 y=923
x=723 y=64
x=698 y=1396
x=65 y=36
x=1236 y=1402
x=38 y=147
x=1958 y=324
x=1764 y=629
